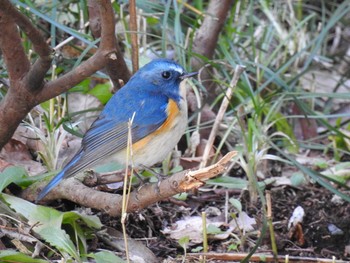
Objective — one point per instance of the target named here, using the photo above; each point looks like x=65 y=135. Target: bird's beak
x=188 y=75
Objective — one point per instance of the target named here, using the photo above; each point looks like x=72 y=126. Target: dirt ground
x=324 y=231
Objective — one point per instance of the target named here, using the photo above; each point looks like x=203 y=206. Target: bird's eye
x=166 y=74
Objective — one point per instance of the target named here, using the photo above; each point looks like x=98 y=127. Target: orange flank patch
x=172 y=112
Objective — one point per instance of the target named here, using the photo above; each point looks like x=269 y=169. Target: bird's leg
x=139 y=177
x=159 y=176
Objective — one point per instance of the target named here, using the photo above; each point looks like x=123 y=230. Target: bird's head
x=162 y=76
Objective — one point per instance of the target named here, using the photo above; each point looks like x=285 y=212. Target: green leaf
x=197 y=249
x=184 y=241
x=10 y=175
x=106 y=257
x=213 y=230
x=236 y=204
x=90 y=220
x=101 y=92
x=176 y=169
x=233 y=246
x=83 y=86
x=108 y=167
x=45 y=105
x=321 y=164
x=47 y=222
x=14 y=256
x=298 y=179
x=181 y=196
x=229 y=182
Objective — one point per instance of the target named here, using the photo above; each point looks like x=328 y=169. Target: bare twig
x=258 y=257
x=73 y=190
x=93 y=179
x=269 y=221
x=12 y=234
x=133 y=34
x=225 y=102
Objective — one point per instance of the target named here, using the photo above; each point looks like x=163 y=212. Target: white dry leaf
x=116 y=185
x=310 y=161
x=283 y=180
x=243 y=222
x=337 y=200
x=324 y=81
x=194 y=141
x=17 y=153
x=340 y=170
x=78 y=102
x=297 y=217
x=69 y=148
x=192 y=227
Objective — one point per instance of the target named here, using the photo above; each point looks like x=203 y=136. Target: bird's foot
x=159 y=176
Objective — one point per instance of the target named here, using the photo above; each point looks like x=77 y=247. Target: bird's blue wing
x=109 y=133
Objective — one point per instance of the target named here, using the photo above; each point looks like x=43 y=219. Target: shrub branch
x=27 y=82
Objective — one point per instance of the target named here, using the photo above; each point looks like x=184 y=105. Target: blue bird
x=156 y=100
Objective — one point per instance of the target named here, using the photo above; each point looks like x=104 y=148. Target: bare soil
x=317 y=239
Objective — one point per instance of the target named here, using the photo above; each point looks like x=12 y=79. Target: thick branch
x=13 y=108
x=116 y=66
x=39 y=44
x=71 y=189
x=65 y=82
x=207 y=36
x=37 y=74
x=20 y=99
x=15 y=58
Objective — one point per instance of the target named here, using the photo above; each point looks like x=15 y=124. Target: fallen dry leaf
x=243 y=222
x=191 y=227
x=16 y=153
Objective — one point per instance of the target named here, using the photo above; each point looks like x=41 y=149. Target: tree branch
x=206 y=37
x=116 y=66
x=37 y=73
x=20 y=98
x=73 y=190
x=15 y=58
x=133 y=34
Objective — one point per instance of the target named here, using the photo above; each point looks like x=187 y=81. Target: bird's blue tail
x=58 y=178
